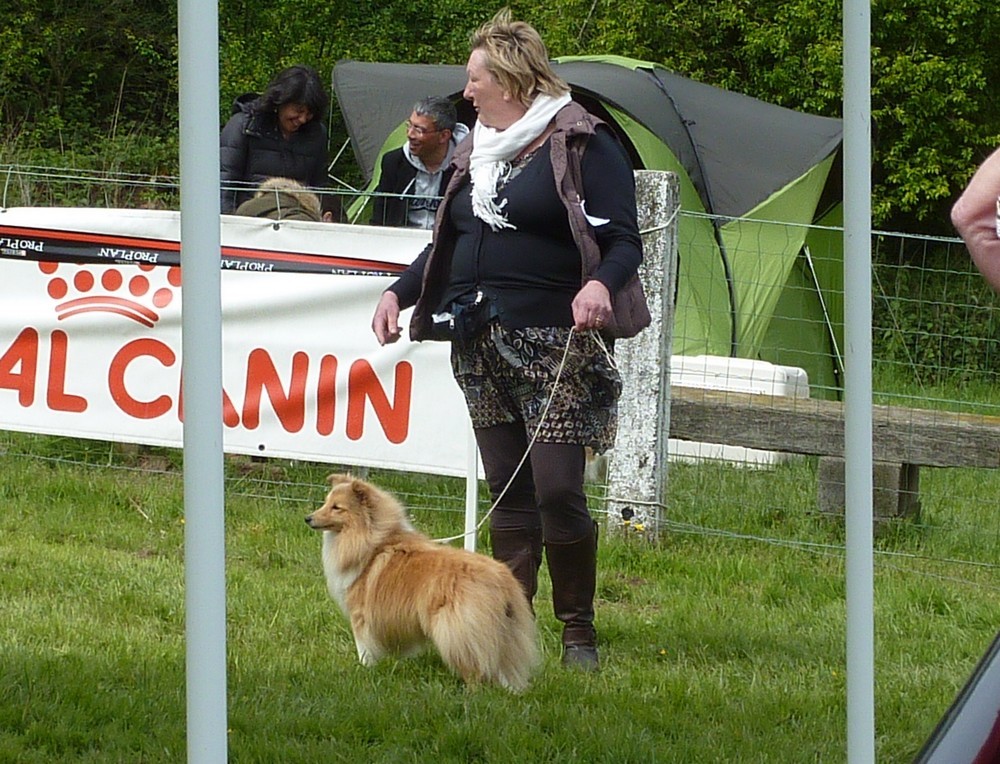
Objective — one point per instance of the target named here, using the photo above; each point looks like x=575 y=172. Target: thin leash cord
x=538 y=429
x=661 y=226
x=545 y=410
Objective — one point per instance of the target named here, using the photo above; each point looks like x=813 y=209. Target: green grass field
x=725 y=642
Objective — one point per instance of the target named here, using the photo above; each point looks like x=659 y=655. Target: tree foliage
x=74 y=69
x=934 y=116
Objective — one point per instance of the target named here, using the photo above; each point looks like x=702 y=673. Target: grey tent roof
x=375 y=98
x=737 y=150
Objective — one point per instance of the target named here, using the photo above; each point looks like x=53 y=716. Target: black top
x=252 y=149
x=533 y=272
x=398 y=176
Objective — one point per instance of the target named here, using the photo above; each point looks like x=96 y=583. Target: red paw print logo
x=135 y=297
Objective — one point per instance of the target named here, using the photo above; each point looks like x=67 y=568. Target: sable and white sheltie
x=401 y=590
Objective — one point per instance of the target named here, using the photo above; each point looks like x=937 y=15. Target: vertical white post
x=471 y=491
x=858 y=383
x=201 y=348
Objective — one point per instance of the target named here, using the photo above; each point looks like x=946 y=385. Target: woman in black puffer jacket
x=278 y=134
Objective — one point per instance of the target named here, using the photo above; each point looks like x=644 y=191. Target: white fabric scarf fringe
x=493 y=150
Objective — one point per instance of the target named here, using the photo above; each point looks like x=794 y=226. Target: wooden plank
x=808 y=426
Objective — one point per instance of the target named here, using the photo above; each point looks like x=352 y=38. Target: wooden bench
x=903 y=439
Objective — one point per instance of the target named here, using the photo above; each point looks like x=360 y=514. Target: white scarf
x=493 y=151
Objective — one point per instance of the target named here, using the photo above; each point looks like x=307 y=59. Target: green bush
x=131 y=168
x=70 y=72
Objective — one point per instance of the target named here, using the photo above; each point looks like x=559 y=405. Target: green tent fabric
x=757 y=278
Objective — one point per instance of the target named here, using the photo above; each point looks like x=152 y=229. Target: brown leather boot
x=573 y=570
x=521 y=550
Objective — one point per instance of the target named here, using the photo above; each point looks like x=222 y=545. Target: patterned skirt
x=569 y=395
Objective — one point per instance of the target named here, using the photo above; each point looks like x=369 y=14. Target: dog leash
x=538 y=429
x=545 y=410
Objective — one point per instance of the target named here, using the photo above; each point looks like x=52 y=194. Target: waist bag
x=464 y=318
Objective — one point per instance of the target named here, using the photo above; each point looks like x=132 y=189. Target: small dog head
x=340 y=508
x=355 y=505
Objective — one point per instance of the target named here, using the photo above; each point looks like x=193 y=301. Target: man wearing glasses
x=414 y=176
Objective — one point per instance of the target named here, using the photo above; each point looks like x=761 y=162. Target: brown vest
x=574 y=125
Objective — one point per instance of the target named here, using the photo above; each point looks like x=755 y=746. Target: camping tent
x=756 y=279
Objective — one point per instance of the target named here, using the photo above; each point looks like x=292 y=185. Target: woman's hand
x=591 y=306
x=385 y=322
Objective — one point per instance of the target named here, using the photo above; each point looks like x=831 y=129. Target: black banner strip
x=52 y=245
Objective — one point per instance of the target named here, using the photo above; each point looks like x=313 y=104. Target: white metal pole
x=201 y=348
x=471 y=491
x=858 y=383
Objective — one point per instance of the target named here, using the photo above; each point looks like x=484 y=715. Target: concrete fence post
x=637 y=467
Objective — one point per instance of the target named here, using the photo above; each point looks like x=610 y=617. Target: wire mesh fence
x=772 y=295
x=935 y=365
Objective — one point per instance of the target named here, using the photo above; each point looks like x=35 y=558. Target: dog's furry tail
x=490 y=639
x=519 y=655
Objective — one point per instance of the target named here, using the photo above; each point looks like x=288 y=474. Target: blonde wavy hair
x=517 y=58
x=307 y=199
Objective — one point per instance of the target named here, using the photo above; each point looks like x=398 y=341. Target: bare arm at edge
x=975 y=218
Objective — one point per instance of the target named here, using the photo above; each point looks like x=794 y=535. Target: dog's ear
x=336 y=479
x=363 y=492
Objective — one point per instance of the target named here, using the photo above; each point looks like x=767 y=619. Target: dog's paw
x=368 y=654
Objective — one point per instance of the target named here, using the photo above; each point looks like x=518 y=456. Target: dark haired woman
x=277 y=134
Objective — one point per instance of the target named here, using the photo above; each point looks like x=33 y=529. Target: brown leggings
x=548 y=490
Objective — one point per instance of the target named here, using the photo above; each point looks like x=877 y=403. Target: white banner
x=90 y=339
